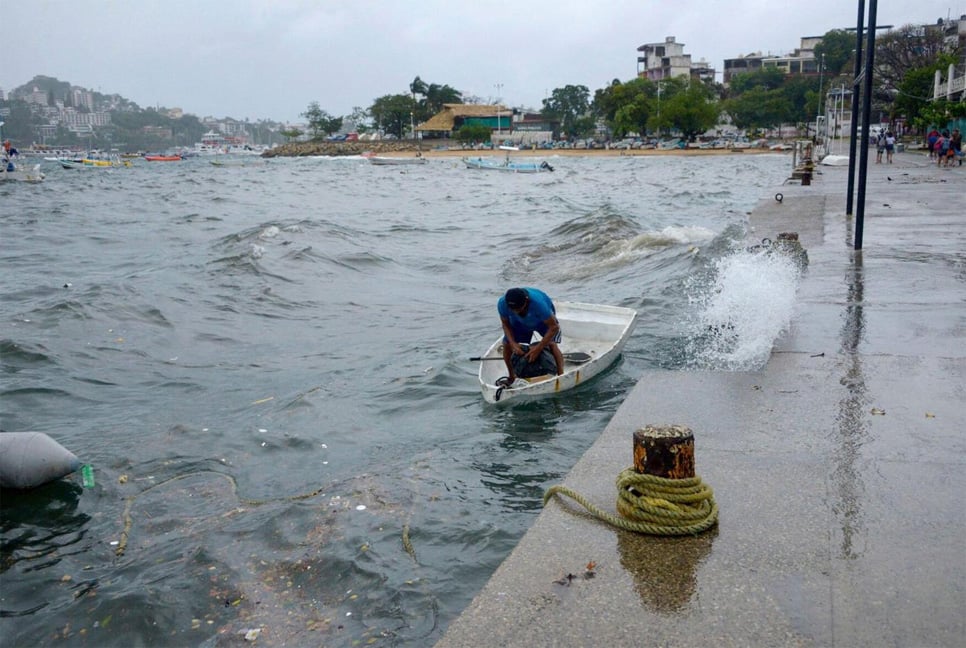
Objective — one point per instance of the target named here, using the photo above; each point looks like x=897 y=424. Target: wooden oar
x=576 y=357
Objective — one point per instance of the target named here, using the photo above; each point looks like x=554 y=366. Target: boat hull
x=488 y=164
x=835 y=160
x=598 y=330
x=21 y=175
x=391 y=161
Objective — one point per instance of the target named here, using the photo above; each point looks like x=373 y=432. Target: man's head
x=517 y=299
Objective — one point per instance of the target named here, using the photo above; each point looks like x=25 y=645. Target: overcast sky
x=270 y=58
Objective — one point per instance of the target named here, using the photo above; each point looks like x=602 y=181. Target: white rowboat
x=396 y=161
x=18 y=174
x=598 y=330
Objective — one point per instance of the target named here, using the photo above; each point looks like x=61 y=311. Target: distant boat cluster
x=211 y=144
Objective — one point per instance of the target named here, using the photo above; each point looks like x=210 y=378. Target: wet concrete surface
x=838 y=468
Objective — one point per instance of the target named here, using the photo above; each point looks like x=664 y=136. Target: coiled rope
x=653 y=505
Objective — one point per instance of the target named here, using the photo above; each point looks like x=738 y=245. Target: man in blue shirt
x=523 y=311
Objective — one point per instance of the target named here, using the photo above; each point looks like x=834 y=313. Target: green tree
x=360 y=119
x=290 y=133
x=691 y=111
x=321 y=123
x=433 y=96
x=607 y=100
x=767 y=78
x=625 y=107
x=417 y=87
x=838 y=46
x=758 y=108
x=392 y=113
x=569 y=105
x=802 y=95
x=474 y=133
x=939 y=113
x=666 y=89
x=914 y=96
x=437 y=95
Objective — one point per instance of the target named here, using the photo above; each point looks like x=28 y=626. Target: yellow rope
x=654 y=505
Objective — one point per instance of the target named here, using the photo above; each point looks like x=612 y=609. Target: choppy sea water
x=267 y=367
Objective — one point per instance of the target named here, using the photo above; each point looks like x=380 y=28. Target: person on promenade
x=890 y=145
x=524 y=311
x=942 y=147
x=956 y=147
x=879 y=147
x=931 y=142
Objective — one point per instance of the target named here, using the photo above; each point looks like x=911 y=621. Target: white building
x=665 y=60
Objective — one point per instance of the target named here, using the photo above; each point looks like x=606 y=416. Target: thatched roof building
x=455 y=116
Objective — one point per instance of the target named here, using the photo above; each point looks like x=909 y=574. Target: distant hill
x=47 y=85
x=56 y=113
x=63 y=91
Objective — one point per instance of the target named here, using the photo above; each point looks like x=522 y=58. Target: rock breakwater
x=302 y=149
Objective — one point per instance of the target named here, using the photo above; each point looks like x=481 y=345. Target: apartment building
x=801 y=61
x=658 y=61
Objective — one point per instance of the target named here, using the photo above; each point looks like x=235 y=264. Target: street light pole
x=821 y=75
x=499 y=117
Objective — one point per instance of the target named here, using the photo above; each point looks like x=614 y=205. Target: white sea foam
x=743 y=310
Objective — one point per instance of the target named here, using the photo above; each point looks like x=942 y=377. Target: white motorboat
x=592 y=338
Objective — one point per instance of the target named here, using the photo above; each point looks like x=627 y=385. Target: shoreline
x=398 y=149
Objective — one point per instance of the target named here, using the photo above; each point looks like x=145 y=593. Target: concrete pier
x=839 y=468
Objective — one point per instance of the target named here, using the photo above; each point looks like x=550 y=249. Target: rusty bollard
x=664 y=451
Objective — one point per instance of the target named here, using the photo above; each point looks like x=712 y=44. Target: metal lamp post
x=499 y=116
x=821 y=75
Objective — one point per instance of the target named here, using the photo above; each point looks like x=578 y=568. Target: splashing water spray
x=746 y=307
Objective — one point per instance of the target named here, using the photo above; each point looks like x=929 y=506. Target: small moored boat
x=9 y=172
x=162 y=158
x=395 y=161
x=508 y=166
x=593 y=336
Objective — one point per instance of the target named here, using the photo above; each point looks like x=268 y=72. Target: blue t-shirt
x=539 y=311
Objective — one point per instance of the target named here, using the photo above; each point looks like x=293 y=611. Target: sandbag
x=544 y=365
x=31 y=459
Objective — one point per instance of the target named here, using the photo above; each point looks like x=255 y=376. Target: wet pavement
x=838 y=468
